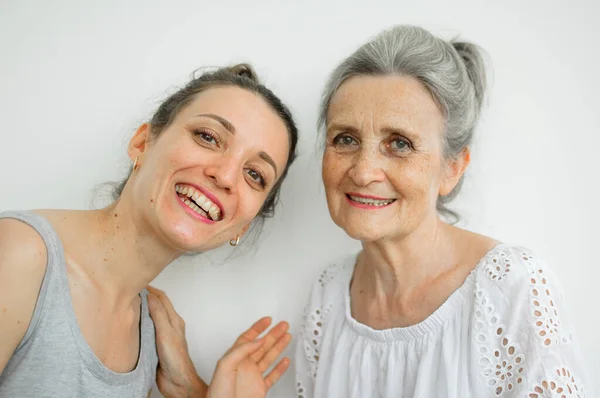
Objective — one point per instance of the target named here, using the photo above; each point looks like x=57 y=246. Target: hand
x=239 y=374
x=176 y=375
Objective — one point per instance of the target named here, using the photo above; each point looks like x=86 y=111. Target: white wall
x=75 y=81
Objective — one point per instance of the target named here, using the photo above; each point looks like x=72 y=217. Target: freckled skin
x=384 y=139
x=415 y=178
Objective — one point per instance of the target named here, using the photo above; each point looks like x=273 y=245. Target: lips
x=369 y=200
x=200 y=201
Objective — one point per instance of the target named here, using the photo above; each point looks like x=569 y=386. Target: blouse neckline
x=429 y=325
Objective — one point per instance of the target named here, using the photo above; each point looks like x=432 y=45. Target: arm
x=522 y=336
x=238 y=374
x=553 y=354
x=22 y=267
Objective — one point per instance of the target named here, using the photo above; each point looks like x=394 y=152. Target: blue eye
x=398 y=144
x=344 y=140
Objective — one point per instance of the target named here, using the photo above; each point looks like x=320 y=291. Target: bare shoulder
x=20 y=244
x=23 y=259
x=472 y=246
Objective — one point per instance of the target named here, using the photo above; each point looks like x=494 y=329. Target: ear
x=454 y=170
x=139 y=142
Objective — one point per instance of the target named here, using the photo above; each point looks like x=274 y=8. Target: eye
x=344 y=140
x=207 y=136
x=399 y=145
x=257 y=176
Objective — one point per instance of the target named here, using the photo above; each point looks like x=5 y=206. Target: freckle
x=116 y=215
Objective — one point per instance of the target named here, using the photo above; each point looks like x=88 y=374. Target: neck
x=399 y=266
x=129 y=255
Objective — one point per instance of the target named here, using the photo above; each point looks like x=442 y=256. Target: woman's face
x=206 y=176
x=383 y=167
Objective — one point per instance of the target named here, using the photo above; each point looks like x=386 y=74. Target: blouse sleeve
x=530 y=350
x=308 y=347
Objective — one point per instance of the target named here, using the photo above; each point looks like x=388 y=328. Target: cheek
x=333 y=169
x=416 y=177
x=249 y=207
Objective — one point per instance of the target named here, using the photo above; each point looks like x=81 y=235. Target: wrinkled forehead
x=396 y=100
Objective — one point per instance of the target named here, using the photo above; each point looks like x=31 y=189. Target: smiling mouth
x=369 y=201
x=198 y=202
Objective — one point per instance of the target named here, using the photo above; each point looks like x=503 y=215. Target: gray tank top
x=53 y=359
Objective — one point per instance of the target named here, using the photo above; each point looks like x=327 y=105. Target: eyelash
x=337 y=141
x=262 y=180
x=200 y=133
x=398 y=139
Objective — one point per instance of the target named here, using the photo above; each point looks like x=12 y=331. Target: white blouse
x=503 y=333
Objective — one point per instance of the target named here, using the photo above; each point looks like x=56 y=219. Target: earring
x=235 y=242
x=135 y=163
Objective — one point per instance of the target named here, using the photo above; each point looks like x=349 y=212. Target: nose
x=224 y=173
x=367 y=167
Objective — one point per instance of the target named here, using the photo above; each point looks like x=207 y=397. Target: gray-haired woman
x=425 y=309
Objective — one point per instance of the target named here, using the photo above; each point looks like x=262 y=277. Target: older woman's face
x=383 y=167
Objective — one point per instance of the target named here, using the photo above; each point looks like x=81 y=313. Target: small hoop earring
x=235 y=242
x=135 y=163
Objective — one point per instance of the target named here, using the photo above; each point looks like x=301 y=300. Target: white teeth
x=207 y=205
x=201 y=200
x=198 y=202
x=371 y=202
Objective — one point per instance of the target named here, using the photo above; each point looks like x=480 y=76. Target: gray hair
x=453 y=71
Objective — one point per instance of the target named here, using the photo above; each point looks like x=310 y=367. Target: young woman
x=74 y=318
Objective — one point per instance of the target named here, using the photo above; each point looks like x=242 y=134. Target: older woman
x=425 y=309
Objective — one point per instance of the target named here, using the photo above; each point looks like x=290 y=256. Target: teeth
x=371 y=202
x=199 y=203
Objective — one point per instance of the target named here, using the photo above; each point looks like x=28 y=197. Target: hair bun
x=244 y=70
x=473 y=59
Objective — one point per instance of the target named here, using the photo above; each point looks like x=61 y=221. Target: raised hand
x=240 y=373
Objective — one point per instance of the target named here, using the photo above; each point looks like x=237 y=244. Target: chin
x=361 y=231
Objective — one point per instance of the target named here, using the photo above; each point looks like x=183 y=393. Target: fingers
x=276 y=373
x=158 y=313
x=173 y=316
x=270 y=339
x=237 y=354
x=255 y=330
x=271 y=355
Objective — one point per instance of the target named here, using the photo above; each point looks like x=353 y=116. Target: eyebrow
x=224 y=122
x=231 y=128
x=265 y=156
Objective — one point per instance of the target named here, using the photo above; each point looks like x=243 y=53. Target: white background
x=77 y=78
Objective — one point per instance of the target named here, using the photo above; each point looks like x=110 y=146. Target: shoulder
x=524 y=293
x=334 y=278
x=513 y=268
x=23 y=260
x=22 y=249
